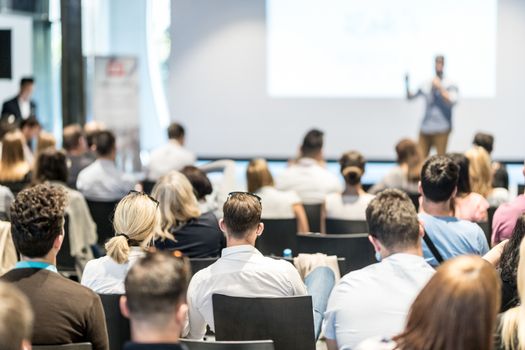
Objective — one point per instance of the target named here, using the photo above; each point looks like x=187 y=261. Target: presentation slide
x=364 y=49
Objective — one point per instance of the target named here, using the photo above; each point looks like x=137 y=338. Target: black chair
x=490 y=215
x=117 y=325
x=355 y=248
x=77 y=346
x=414 y=197
x=198 y=264
x=278 y=235
x=313 y=213
x=486 y=230
x=521 y=188
x=66 y=263
x=227 y=345
x=102 y=213
x=147 y=186
x=337 y=226
x=287 y=321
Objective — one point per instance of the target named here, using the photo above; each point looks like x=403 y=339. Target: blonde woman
x=15 y=172
x=193 y=233
x=277 y=204
x=136 y=223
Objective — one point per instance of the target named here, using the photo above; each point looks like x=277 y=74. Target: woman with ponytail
x=137 y=223
x=352 y=203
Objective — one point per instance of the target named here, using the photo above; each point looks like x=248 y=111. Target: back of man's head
x=72 y=137
x=16 y=318
x=392 y=220
x=105 y=143
x=156 y=288
x=439 y=178
x=176 y=131
x=242 y=214
x=37 y=218
x=312 y=143
x=484 y=140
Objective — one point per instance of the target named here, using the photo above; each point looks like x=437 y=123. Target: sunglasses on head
x=233 y=194
x=144 y=194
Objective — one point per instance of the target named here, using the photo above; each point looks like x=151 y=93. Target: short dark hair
x=30 y=122
x=352 y=167
x=175 y=131
x=26 y=81
x=155 y=286
x=464 y=176
x=37 y=218
x=242 y=212
x=439 y=178
x=484 y=140
x=312 y=143
x=501 y=177
x=440 y=58
x=198 y=179
x=392 y=219
x=105 y=142
x=51 y=165
x=71 y=136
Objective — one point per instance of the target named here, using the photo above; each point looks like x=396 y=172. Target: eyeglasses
x=144 y=194
x=231 y=194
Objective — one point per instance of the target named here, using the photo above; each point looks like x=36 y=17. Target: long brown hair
x=457 y=309
x=408 y=153
x=258 y=175
x=13 y=166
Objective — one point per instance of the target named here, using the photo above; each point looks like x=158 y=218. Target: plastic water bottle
x=287 y=253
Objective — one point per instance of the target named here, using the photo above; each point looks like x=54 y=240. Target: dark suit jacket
x=11 y=107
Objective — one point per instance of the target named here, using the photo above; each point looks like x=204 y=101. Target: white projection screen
x=248 y=78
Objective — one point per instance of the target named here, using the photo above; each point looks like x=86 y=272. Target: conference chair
x=521 y=189
x=117 y=325
x=355 y=248
x=414 y=197
x=102 y=213
x=147 y=186
x=77 y=346
x=66 y=263
x=490 y=215
x=486 y=230
x=227 y=345
x=288 y=321
x=338 y=226
x=313 y=213
x=198 y=264
x=278 y=235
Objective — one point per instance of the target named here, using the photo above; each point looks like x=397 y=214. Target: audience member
x=65 y=312
x=277 y=204
x=155 y=302
x=91 y=130
x=243 y=271
x=15 y=172
x=136 y=223
x=508 y=267
x=195 y=234
x=45 y=140
x=308 y=176
x=484 y=140
x=102 y=181
x=352 y=203
x=171 y=156
x=511 y=331
x=386 y=289
x=467 y=205
x=202 y=186
x=457 y=309
x=6 y=198
x=505 y=218
x=449 y=235
x=30 y=128
x=51 y=167
x=16 y=319
x=21 y=106
x=225 y=181
x=500 y=186
x=78 y=155
x=405 y=176
x=480 y=171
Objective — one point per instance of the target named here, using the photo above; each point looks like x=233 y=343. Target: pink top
x=472 y=207
x=505 y=219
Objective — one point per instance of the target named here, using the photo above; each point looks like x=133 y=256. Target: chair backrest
x=65 y=262
x=287 y=321
x=278 y=235
x=490 y=216
x=337 y=226
x=227 y=345
x=77 y=346
x=102 y=213
x=198 y=264
x=147 y=186
x=355 y=248
x=486 y=230
x=521 y=188
x=313 y=213
x=117 y=325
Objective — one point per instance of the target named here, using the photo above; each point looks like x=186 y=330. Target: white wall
x=21 y=52
x=218 y=90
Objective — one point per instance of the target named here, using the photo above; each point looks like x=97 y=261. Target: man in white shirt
x=102 y=181
x=242 y=270
x=171 y=156
x=375 y=300
x=308 y=176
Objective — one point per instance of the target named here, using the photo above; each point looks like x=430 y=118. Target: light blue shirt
x=36 y=265
x=452 y=237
